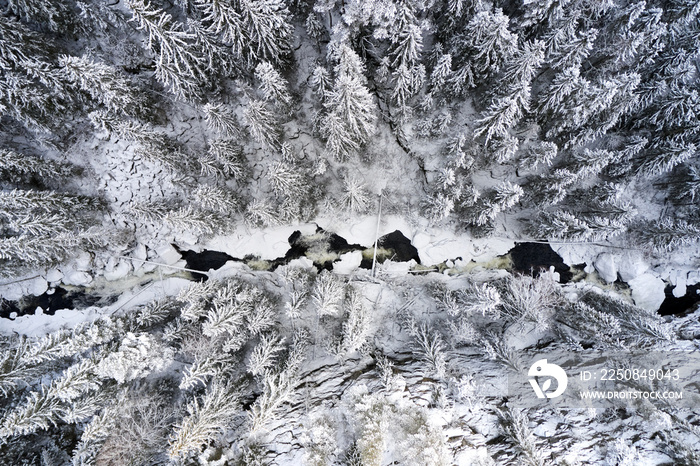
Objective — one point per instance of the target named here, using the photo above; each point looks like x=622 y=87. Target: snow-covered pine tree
x=662 y=158
x=268 y=26
x=501 y=115
x=261 y=213
x=321 y=81
x=406 y=46
x=273 y=85
x=263 y=124
x=224 y=20
x=287 y=180
x=102 y=82
x=205 y=420
x=217 y=199
x=350 y=120
x=441 y=71
x=314 y=27
x=16 y=166
x=666 y=234
x=230 y=156
x=357 y=327
x=484 y=46
x=355 y=197
x=328 y=294
x=507 y=194
x=214 y=53
x=521 y=68
x=220 y=118
x=264 y=354
x=178 y=66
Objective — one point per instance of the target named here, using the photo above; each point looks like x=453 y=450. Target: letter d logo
x=542 y=368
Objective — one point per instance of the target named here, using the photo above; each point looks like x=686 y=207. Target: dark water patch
x=533 y=258
x=673 y=306
x=322 y=248
x=204 y=261
x=404 y=251
x=393 y=246
x=52 y=301
x=7 y=308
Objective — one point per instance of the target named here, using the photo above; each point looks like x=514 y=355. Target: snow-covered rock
x=168 y=254
x=83 y=262
x=53 y=275
x=118 y=271
x=605 y=265
x=140 y=252
x=348 y=263
x=420 y=240
x=76 y=278
x=679 y=280
x=37 y=286
x=631 y=265
x=648 y=291
x=15 y=290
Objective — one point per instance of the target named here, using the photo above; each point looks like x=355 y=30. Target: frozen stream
x=325 y=250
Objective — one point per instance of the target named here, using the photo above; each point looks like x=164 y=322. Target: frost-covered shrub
x=515 y=425
x=137 y=356
x=319 y=440
x=532 y=300
x=328 y=294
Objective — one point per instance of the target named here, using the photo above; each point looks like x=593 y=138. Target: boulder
x=606 y=266
x=648 y=291
x=630 y=265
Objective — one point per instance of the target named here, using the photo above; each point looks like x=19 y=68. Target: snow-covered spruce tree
x=540 y=154
x=221 y=119
x=355 y=198
x=178 y=65
x=263 y=124
x=217 y=199
x=103 y=83
x=320 y=79
x=287 y=179
x=230 y=157
x=206 y=419
x=483 y=48
x=223 y=20
x=666 y=234
x=662 y=158
x=268 y=27
x=15 y=166
x=272 y=85
x=350 y=119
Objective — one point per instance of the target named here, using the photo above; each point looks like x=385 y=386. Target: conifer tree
x=178 y=66
x=273 y=85
x=224 y=21
x=103 y=83
x=268 y=28
x=221 y=119
x=351 y=118
x=263 y=124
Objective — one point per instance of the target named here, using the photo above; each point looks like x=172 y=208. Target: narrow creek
x=324 y=249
